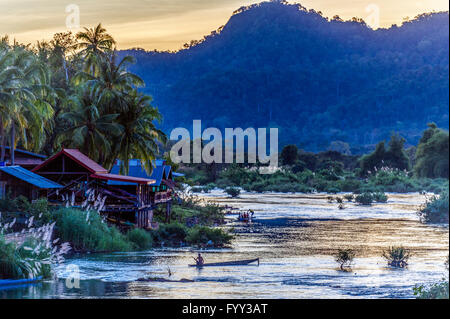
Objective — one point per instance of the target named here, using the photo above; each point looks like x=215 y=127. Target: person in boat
x=199 y=260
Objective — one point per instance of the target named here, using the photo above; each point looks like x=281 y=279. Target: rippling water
x=295 y=236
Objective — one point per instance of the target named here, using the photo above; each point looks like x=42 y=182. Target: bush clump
x=24 y=261
x=436 y=210
x=86 y=231
x=435 y=291
x=397 y=256
x=201 y=235
x=233 y=191
x=173 y=233
x=140 y=238
x=364 y=198
x=345 y=258
x=380 y=197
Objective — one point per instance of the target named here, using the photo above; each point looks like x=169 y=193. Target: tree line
x=75 y=92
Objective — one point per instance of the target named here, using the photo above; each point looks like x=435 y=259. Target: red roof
x=78 y=157
x=97 y=170
x=122 y=178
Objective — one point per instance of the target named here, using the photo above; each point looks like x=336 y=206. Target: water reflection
x=295 y=236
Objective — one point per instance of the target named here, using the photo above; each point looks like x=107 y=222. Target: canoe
x=13 y=282
x=229 y=263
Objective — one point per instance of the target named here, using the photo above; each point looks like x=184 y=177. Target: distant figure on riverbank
x=199 y=260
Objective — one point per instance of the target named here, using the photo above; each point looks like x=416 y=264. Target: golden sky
x=167 y=24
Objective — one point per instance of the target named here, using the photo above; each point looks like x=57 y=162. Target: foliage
x=364 y=198
x=345 y=257
x=201 y=235
x=380 y=197
x=233 y=191
x=436 y=209
x=435 y=291
x=397 y=256
x=141 y=238
x=393 y=157
x=171 y=234
x=86 y=231
x=318 y=79
x=432 y=156
x=19 y=262
x=209 y=214
x=289 y=154
x=349 y=197
x=76 y=92
x=34 y=255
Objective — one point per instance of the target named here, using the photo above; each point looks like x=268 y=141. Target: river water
x=295 y=237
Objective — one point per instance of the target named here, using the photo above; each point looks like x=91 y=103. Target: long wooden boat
x=229 y=263
x=16 y=282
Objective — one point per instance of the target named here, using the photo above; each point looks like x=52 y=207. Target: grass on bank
x=27 y=260
x=88 y=232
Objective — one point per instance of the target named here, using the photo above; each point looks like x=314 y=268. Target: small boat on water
x=17 y=282
x=228 y=263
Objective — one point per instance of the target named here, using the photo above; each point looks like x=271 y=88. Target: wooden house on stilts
x=88 y=185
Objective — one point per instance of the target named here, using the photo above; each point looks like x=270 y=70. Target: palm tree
x=94 y=43
x=22 y=83
x=90 y=131
x=111 y=83
x=140 y=135
x=8 y=77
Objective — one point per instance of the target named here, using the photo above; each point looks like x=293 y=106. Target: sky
x=168 y=24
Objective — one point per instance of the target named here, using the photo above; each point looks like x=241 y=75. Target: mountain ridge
x=318 y=80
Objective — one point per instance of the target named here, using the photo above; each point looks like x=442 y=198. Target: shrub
x=289 y=154
x=349 y=197
x=364 y=198
x=172 y=233
x=233 y=191
x=24 y=261
x=201 y=235
x=140 y=238
x=87 y=231
x=436 y=210
x=345 y=257
x=432 y=156
x=196 y=189
x=380 y=197
x=397 y=256
x=435 y=291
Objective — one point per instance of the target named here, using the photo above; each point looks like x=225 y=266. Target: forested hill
x=318 y=80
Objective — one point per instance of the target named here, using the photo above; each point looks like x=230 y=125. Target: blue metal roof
x=18 y=150
x=136 y=170
x=177 y=174
x=29 y=177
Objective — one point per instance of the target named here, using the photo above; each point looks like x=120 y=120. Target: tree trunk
x=2 y=140
x=13 y=137
x=65 y=69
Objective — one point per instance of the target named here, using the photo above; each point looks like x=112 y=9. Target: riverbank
x=88 y=232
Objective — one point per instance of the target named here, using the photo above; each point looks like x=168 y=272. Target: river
x=295 y=237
